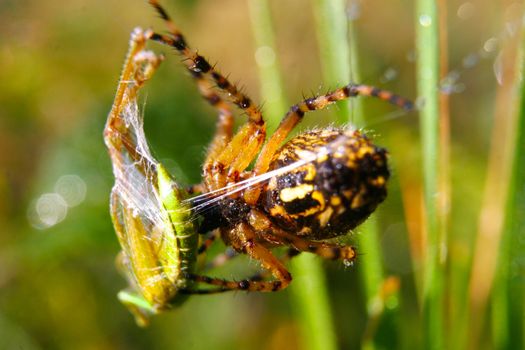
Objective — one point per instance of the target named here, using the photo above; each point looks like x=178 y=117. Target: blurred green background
x=59 y=66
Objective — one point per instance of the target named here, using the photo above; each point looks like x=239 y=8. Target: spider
x=316 y=186
x=334 y=178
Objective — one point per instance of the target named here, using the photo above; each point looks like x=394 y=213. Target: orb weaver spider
x=318 y=185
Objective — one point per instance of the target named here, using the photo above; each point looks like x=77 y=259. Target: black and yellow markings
x=299 y=192
x=379 y=181
x=312 y=203
x=333 y=193
x=324 y=217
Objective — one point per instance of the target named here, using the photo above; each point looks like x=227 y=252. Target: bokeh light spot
x=72 y=189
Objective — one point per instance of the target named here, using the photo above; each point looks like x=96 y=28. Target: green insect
x=158 y=239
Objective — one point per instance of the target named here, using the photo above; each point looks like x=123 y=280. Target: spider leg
x=208 y=242
x=246 y=242
x=296 y=113
x=329 y=251
x=230 y=254
x=288 y=255
x=227 y=157
x=224 y=125
x=198 y=65
x=236 y=156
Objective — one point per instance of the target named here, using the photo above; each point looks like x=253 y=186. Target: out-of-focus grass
x=427 y=63
x=502 y=188
x=60 y=63
x=507 y=302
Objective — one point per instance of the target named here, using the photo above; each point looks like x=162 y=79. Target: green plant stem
x=427 y=48
x=444 y=160
x=315 y=318
x=331 y=29
x=357 y=116
x=311 y=304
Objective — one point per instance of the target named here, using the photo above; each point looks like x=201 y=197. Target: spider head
x=335 y=179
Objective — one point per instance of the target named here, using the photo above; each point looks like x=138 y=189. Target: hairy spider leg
x=197 y=63
x=230 y=254
x=296 y=113
x=247 y=238
x=228 y=156
x=228 y=159
x=208 y=242
x=258 y=252
x=324 y=250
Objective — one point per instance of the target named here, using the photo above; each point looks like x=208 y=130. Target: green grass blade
x=357 y=116
x=311 y=304
x=427 y=49
x=315 y=319
x=507 y=300
x=272 y=89
x=332 y=38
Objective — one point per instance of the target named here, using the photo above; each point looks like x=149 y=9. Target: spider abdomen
x=336 y=179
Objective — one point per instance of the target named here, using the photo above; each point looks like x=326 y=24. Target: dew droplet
x=447 y=84
x=511 y=28
x=425 y=20
x=490 y=45
x=389 y=75
x=354 y=10
x=470 y=60
x=348 y=263
x=466 y=10
x=498 y=69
